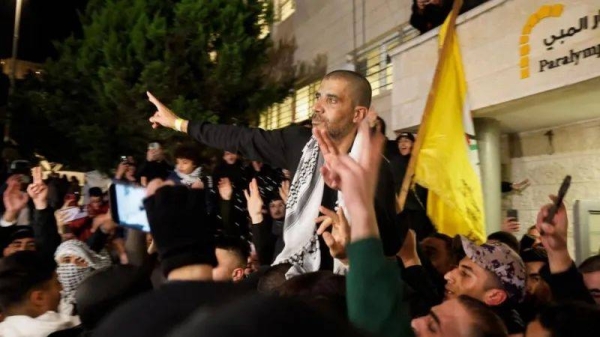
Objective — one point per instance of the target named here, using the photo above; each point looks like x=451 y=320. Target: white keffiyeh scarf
x=190 y=179
x=302 y=208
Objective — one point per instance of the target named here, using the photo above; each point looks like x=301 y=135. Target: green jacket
x=375 y=291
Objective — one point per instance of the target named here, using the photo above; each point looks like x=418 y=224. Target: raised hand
x=284 y=191
x=225 y=189
x=510 y=225
x=254 y=202
x=38 y=191
x=408 y=252
x=339 y=237
x=520 y=186
x=163 y=115
x=14 y=199
x=554 y=237
x=357 y=179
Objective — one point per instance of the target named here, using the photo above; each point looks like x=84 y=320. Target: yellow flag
x=445 y=163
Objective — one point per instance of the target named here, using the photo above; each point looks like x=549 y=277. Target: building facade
x=533 y=75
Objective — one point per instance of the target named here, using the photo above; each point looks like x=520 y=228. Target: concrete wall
x=576 y=152
x=490 y=38
x=331 y=27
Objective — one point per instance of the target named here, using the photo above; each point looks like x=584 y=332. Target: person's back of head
x=323 y=290
x=273 y=278
x=506 y=238
x=103 y=291
x=575 y=319
x=28 y=284
x=485 y=323
x=259 y=316
x=232 y=257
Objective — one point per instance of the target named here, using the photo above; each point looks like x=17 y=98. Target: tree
x=206 y=59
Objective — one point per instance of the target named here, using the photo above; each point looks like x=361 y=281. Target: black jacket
x=282 y=148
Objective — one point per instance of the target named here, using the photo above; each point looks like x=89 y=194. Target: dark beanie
x=103 y=291
x=182 y=231
x=15 y=233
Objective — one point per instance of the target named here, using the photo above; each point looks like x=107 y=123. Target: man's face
x=277 y=209
x=185 y=166
x=447 y=319
x=535 y=234
x=405 y=146
x=19 y=245
x=96 y=203
x=467 y=279
x=592 y=282
x=155 y=154
x=535 y=285
x=438 y=253
x=228 y=268
x=230 y=157
x=333 y=110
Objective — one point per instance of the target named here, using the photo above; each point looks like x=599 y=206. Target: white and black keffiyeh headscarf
x=302 y=208
x=71 y=275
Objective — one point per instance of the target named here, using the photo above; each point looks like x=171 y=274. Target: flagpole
x=410 y=171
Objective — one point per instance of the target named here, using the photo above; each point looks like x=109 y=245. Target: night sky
x=42 y=21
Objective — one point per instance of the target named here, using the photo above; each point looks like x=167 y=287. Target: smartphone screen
x=127 y=206
x=512 y=213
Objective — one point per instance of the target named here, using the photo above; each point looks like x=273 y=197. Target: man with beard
x=341 y=104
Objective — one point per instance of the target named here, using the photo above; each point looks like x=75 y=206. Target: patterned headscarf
x=70 y=275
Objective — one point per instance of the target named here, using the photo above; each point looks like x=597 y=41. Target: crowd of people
x=293 y=232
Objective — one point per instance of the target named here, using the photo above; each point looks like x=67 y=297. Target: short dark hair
x=21 y=273
x=238 y=246
x=273 y=278
x=506 y=238
x=322 y=290
x=590 y=265
x=486 y=322
x=95 y=192
x=188 y=152
x=534 y=254
x=571 y=319
x=104 y=290
x=383 y=125
x=361 y=88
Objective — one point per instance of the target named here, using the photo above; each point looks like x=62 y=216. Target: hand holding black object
x=182 y=232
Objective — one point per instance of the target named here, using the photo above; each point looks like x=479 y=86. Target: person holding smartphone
x=155 y=165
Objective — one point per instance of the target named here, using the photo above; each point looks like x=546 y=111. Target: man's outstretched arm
x=279 y=148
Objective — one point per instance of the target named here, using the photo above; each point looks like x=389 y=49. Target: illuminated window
x=294 y=109
x=283 y=9
x=376 y=65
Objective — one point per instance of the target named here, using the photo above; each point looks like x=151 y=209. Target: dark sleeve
x=567 y=286
x=418 y=20
x=264 y=242
x=97 y=241
x=375 y=291
x=225 y=209
x=506 y=187
x=279 y=148
x=392 y=232
x=135 y=247
x=45 y=231
x=432 y=17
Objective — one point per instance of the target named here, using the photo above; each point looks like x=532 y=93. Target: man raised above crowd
x=341 y=103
